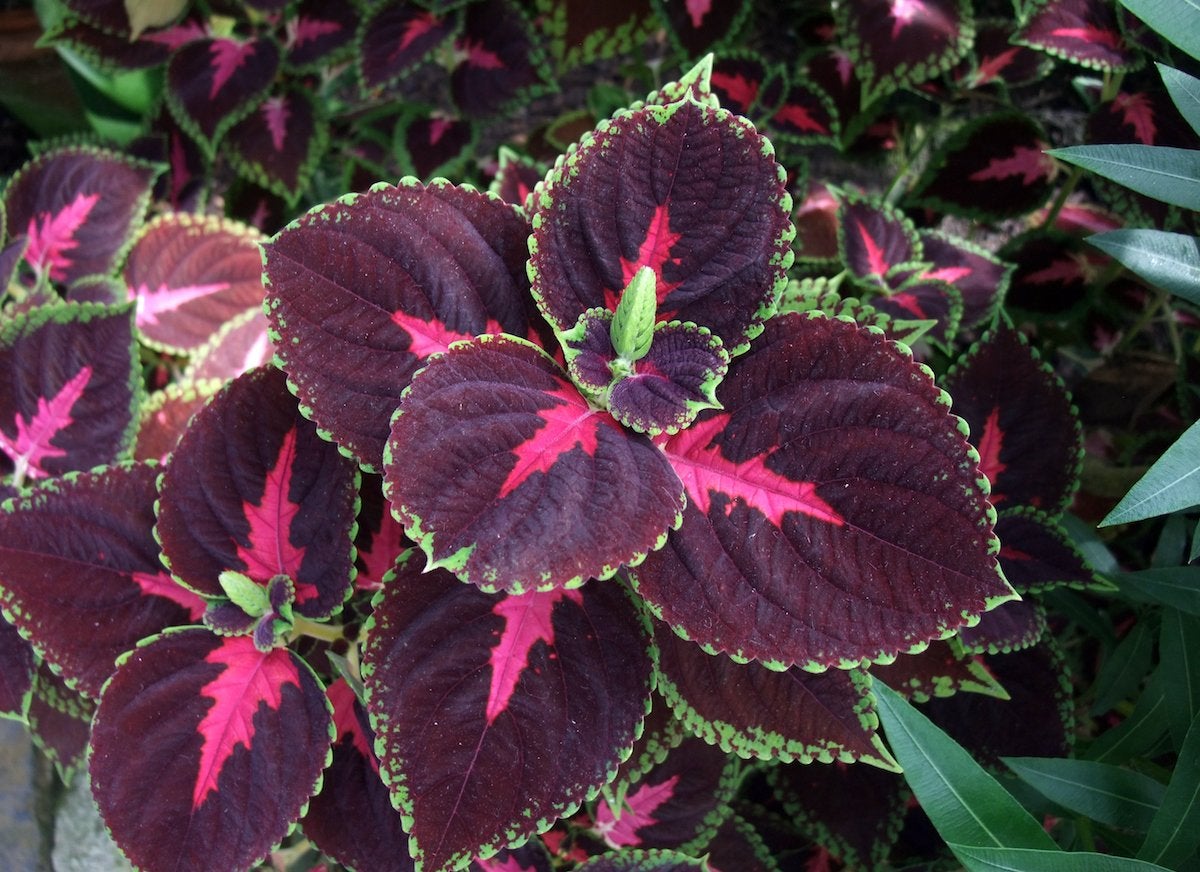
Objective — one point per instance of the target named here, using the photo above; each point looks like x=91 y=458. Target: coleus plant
x=623 y=461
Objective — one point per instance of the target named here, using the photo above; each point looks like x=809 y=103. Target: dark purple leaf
x=980 y=276
x=67 y=388
x=501 y=60
x=925 y=299
x=698 y=26
x=496 y=714
x=351 y=819
x=993 y=167
x=837 y=491
x=78 y=208
x=253 y=489
x=756 y=712
x=503 y=473
x=817 y=225
x=1038 y=683
x=109 y=15
x=738 y=80
x=1145 y=115
x=994 y=58
x=318 y=33
x=737 y=847
x=1037 y=555
x=397 y=36
x=582 y=31
x=16 y=672
x=11 y=255
x=1083 y=31
x=277 y=145
x=1053 y=271
x=213 y=83
x=431 y=145
x=802 y=113
x=60 y=721
x=1022 y=422
x=98 y=526
x=689 y=191
x=165 y=416
x=677 y=804
x=189 y=275
x=240 y=345
x=210 y=741
x=853 y=812
x=874 y=238
x=942 y=669
x=832 y=69
x=1007 y=628
x=516 y=177
x=363 y=290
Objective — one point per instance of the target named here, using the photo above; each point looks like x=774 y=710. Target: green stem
x=896 y=188
x=1061 y=200
x=302 y=626
x=1148 y=315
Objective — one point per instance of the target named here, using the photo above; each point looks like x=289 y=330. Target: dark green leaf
x=1169 y=260
x=1024 y=860
x=1171 y=175
x=1175 y=833
x=966 y=804
x=1124 y=669
x=1178 y=587
x=1179 y=651
x=1105 y=793
x=1171 y=484
x=1185 y=92
x=1139 y=732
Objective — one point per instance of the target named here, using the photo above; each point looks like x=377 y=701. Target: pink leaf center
x=430 y=337
x=621 y=832
x=30 y=446
x=161 y=584
x=227 y=56
x=991 y=443
x=152 y=304
x=51 y=236
x=526 y=622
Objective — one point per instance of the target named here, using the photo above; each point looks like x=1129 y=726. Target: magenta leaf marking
x=178 y=36
x=696 y=10
x=1029 y=163
x=30 y=447
x=509 y=864
x=903 y=12
x=698 y=463
x=308 y=29
x=51 y=236
x=161 y=584
x=567 y=424
x=418 y=26
x=481 y=57
x=276 y=113
x=346 y=722
x=526 y=621
x=1138 y=113
x=909 y=303
x=948 y=274
x=248 y=679
x=740 y=90
x=643 y=803
x=1071 y=268
x=151 y=304
x=432 y=337
x=990 y=68
x=227 y=56
x=1097 y=35
x=654 y=252
x=799 y=118
x=877 y=261
x=991 y=442
x=271 y=551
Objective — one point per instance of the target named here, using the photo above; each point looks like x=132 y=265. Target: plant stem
x=1148 y=315
x=302 y=626
x=1061 y=200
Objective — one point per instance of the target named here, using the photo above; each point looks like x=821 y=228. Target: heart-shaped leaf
x=978 y=275
x=994 y=59
x=501 y=60
x=1083 y=31
x=213 y=83
x=655 y=188
x=431 y=144
x=757 y=712
x=1037 y=555
x=318 y=33
x=799 y=521
x=277 y=146
x=580 y=32
x=504 y=474
x=874 y=238
x=699 y=26
x=395 y=37
x=68 y=388
x=189 y=275
x=1009 y=627
x=100 y=522
x=1021 y=419
x=496 y=714
x=363 y=290
x=230 y=744
x=252 y=489
x=78 y=208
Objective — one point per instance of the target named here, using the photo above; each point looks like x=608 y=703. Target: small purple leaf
x=1083 y=31
x=277 y=145
x=942 y=669
x=165 y=416
x=980 y=276
x=800 y=471
x=230 y=745
x=502 y=472
x=317 y=33
x=285 y=505
x=100 y=522
x=60 y=720
x=484 y=783
x=874 y=238
x=397 y=36
x=697 y=26
x=1009 y=627
x=1037 y=555
x=653 y=188
x=501 y=60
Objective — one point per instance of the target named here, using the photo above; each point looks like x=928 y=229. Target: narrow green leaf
x=633 y=323
x=1177 y=20
x=1169 y=260
x=1171 y=175
x=1139 y=732
x=1124 y=669
x=1178 y=587
x=1179 y=651
x=979 y=859
x=1095 y=551
x=1170 y=484
x=1195 y=552
x=965 y=803
x=1175 y=833
x=1185 y=92
x=1105 y=793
